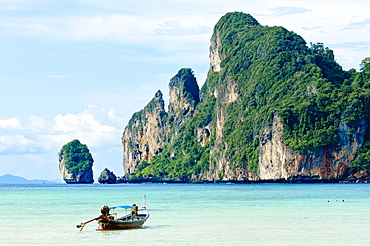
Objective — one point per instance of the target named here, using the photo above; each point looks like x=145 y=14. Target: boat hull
x=122 y=224
x=116 y=225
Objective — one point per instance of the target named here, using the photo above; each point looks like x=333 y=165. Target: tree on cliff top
x=77 y=156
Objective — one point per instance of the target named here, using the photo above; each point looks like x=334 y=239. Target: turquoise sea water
x=190 y=214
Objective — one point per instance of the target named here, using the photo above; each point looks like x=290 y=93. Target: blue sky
x=79 y=69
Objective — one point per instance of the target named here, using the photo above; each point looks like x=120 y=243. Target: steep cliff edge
x=143 y=136
x=278 y=162
x=184 y=97
x=271 y=109
x=152 y=128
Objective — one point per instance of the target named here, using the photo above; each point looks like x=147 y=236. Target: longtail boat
x=109 y=219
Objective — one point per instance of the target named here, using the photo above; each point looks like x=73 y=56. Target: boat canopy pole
x=144 y=201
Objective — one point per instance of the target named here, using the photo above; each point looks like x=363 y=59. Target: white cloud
x=39 y=135
x=10 y=123
x=69 y=122
x=8 y=80
x=102 y=26
x=135 y=30
x=123 y=28
x=289 y=10
x=12 y=7
x=37 y=123
x=16 y=144
x=112 y=114
x=309 y=28
x=26 y=26
x=186 y=25
x=354 y=46
x=85 y=127
x=364 y=24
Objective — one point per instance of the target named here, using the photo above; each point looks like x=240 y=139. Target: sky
x=79 y=69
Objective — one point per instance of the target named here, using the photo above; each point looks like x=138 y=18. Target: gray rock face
x=277 y=161
x=143 y=136
x=107 y=177
x=184 y=94
x=214 y=54
x=85 y=177
x=184 y=97
x=148 y=129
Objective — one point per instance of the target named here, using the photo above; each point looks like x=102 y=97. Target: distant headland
x=11 y=179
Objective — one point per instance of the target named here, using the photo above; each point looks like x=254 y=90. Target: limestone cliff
x=75 y=163
x=152 y=127
x=183 y=99
x=143 y=136
x=84 y=177
x=225 y=93
x=278 y=162
x=271 y=109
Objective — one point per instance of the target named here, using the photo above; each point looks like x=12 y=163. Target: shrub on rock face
x=75 y=163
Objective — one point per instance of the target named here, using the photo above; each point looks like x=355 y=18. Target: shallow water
x=190 y=214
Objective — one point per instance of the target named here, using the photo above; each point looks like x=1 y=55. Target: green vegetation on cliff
x=275 y=73
x=278 y=74
x=77 y=156
x=190 y=157
x=190 y=89
x=362 y=83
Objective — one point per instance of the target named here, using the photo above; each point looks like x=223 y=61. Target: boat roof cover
x=124 y=206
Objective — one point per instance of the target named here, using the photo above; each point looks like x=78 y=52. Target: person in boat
x=105 y=215
x=134 y=211
x=105 y=211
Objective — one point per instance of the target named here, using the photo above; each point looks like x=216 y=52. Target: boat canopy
x=124 y=206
